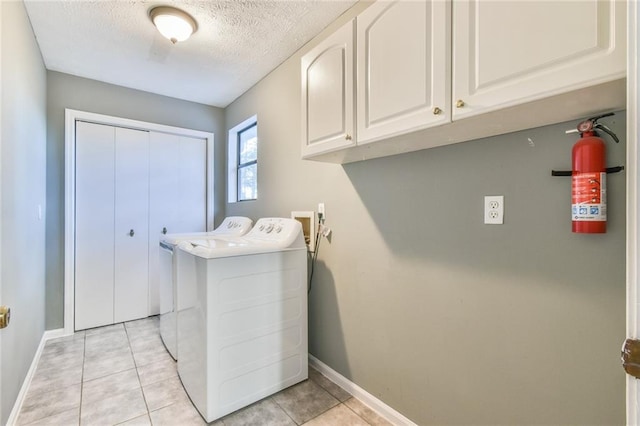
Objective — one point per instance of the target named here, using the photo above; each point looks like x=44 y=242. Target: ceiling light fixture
x=174 y=24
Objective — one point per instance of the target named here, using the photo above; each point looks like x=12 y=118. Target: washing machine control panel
x=275 y=229
x=234 y=225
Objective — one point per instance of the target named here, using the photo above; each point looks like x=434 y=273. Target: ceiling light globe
x=172 y=23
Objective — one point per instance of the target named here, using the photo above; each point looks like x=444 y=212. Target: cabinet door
x=510 y=52
x=177 y=191
x=95 y=210
x=327 y=94
x=403 y=68
x=131 y=280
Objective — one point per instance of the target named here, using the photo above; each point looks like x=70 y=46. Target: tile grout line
x=328 y=409
x=135 y=364
x=327 y=391
x=354 y=412
x=84 y=357
x=283 y=410
x=339 y=402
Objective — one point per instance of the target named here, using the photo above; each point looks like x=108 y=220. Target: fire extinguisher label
x=589 y=197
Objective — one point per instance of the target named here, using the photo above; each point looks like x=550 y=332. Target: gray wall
x=66 y=91
x=445 y=319
x=22 y=190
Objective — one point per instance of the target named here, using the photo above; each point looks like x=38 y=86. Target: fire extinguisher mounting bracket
x=616 y=169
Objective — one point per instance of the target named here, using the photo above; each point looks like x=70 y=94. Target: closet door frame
x=71 y=116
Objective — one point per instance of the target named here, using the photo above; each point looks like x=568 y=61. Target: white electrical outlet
x=494 y=209
x=321 y=210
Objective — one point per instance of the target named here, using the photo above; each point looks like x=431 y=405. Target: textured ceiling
x=238 y=42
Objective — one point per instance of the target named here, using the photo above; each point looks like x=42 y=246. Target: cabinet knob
x=131 y=233
x=164 y=230
x=348 y=137
x=437 y=111
x=460 y=103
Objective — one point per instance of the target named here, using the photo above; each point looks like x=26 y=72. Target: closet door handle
x=131 y=233
x=164 y=230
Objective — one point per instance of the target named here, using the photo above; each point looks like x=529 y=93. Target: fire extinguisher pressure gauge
x=585 y=126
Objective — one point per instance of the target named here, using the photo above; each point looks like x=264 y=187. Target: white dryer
x=230 y=227
x=242 y=316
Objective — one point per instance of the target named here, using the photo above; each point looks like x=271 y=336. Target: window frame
x=240 y=165
x=233 y=159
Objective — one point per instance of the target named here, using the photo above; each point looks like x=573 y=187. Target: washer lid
x=230 y=226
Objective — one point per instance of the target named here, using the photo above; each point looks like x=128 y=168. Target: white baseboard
x=365 y=397
x=17 y=406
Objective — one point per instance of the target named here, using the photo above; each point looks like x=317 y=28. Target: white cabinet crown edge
x=71 y=116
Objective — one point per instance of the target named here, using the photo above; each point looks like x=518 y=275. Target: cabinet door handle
x=348 y=137
x=436 y=111
x=164 y=230
x=460 y=103
x=131 y=233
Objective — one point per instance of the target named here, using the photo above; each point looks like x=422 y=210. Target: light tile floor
x=123 y=375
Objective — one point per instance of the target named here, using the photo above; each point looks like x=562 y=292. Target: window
x=243 y=161
x=248 y=163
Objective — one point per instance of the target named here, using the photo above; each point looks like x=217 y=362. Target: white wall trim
x=365 y=397
x=17 y=406
x=71 y=116
x=633 y=195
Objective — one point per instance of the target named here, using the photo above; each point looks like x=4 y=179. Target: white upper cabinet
x=507 y=53
x=437 y=72
x=327 y=94
x=403 y=57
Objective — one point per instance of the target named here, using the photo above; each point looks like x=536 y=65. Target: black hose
x=314 y=256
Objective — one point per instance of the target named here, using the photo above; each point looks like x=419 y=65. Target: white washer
x=242 y=316
x=230 y=227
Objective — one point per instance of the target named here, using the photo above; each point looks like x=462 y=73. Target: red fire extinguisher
x=589 y=178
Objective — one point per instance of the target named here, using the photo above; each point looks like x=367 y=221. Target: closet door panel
x=131 y=280
x=94 y=255
x=189 y=188
x=178 y=183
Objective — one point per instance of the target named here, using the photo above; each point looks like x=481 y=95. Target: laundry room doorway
x=126 y=184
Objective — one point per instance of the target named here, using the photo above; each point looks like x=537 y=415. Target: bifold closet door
x=131 y=262
x=177 y=197
x=112 y=225
x=95 y=217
